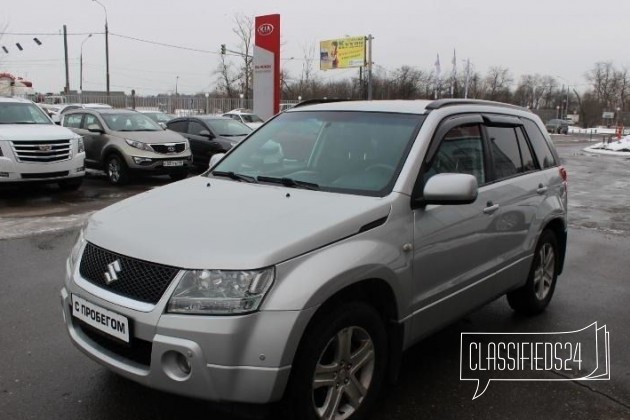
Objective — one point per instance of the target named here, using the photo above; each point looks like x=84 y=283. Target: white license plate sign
x=100 y=318
x=173 y=163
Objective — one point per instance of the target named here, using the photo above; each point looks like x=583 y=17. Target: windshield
x=228 y=127
x=352 y=152
x=22 y=113
x=158 y=116
x=251 y=118
x=129 y=121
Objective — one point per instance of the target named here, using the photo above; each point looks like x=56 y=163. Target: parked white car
x=245 y=116
x=33 y=148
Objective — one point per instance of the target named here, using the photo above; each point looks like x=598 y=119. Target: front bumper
x=242 y=358
x=12 y=171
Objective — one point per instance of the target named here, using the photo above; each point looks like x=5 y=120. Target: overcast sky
x=563 y=38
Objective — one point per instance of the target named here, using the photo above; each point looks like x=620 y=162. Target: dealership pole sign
x=342 y=53
x=267 y=65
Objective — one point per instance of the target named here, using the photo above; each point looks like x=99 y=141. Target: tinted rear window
x=539 y=143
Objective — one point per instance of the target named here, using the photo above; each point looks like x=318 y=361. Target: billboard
x=342 y=53
x=267 y=66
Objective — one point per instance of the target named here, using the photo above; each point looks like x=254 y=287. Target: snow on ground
x=619 y=147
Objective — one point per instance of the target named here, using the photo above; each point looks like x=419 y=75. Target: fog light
x=142 y=160
x=176 y=365
x=81 y=169
x=4 y=174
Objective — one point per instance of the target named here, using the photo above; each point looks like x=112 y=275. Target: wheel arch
x=559 y=228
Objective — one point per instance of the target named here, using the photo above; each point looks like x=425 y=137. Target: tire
x=535 y=295
x=71 y=184
x=116 y=170
x=178 y=176
x=356 y=385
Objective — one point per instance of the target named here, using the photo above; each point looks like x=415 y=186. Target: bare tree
x=244 y=30
x=227 y=78
x=498 y=83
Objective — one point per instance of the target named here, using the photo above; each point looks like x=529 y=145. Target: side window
x=506 y=156
x=72 y=121
x=195 y=128
x=460 y=151
x=90 y=120
x=529 y=163
x=179 y=126
x=539 y=144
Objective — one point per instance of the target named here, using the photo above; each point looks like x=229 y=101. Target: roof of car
x=104 y=110
x=419 y=106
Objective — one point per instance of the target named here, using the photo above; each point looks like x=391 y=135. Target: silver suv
x=318 y=249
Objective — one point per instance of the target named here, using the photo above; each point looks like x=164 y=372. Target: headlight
x=220 y=291
x=80 y=145
x=139 y=145
x=76 y=250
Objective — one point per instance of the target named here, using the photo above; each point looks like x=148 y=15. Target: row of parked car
x=57 y=143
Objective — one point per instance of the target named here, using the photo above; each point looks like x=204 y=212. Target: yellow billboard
x=342 y=53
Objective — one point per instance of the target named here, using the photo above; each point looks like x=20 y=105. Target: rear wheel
x=117 y=171
x=534 y=297
x=340 y=366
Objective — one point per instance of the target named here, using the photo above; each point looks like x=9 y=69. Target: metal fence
x=179 y=105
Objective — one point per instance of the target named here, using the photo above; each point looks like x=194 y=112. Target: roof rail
x=321 y=101
x=441 y=103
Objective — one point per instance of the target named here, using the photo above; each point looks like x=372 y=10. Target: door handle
x=541 y=189
x=491 y=207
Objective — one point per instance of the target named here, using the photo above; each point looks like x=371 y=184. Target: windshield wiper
x=289 y=182
x=233 y=175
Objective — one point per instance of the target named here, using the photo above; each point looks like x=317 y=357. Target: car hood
x=17 y=132
x=223 y=224
x=163 y=136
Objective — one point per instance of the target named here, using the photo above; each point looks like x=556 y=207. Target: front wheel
x=340 y=365
x=116 y=170
x=534 y=297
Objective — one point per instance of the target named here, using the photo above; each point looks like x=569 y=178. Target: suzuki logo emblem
x=171 y=148
x=265 y=29
x=45 y=147
x=112 y=272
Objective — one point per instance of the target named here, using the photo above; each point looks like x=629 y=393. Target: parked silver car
x=318 y=249
x=123 y=142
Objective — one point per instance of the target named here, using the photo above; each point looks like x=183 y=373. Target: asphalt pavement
x=42 y=376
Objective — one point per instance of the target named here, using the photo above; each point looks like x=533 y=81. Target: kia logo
x=265 y=29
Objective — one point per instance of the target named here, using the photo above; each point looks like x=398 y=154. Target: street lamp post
x=81 y=63
x=106 y=47
x=241 y=101
x=207 y=106
x=176 y=81
x=557 y=111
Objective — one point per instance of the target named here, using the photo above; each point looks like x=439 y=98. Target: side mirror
x=163 y=125
x=95 y=128
x=450 y=189
x=214 y=159
x=206 y=133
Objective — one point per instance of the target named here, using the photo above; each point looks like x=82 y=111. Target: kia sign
x=267 y=66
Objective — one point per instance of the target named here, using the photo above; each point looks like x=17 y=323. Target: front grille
x=137 y=350
x=169 y=148
x=41 y=151
x=136 y=279
x=45 y=175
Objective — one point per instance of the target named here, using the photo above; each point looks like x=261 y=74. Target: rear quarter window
x=539 y=143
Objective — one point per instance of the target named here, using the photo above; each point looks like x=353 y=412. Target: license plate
x=102 y=319
x=173 y=163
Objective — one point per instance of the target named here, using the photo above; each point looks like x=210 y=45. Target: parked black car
x=208 y=135
x=557 y=126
